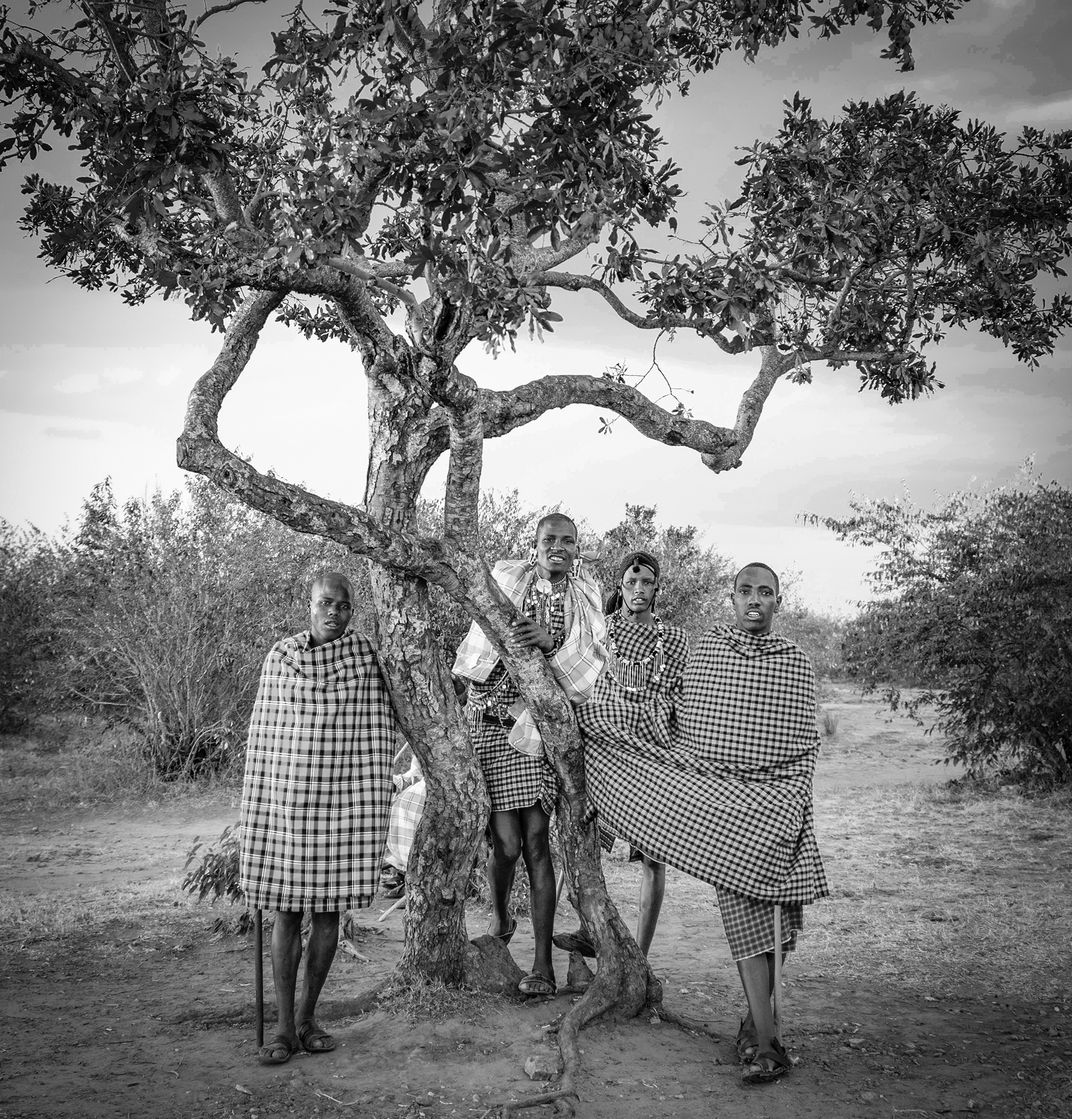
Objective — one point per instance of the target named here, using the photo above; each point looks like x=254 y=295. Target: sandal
x=769 y=1064
x=746 y=1043
x=536 y=984
x=278 y=1051
x=315 y=1040
x=507 y=936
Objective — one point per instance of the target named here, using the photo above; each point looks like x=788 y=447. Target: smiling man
x=315 y=801
x=559 y=613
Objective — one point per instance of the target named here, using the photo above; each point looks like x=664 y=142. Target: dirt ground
x=937 y=980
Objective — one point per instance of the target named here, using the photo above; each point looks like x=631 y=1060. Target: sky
x=90 y=388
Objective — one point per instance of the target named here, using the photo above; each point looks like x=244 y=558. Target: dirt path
x=117 y=1002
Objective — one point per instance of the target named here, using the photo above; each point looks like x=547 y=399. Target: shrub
x=170 y=606
x=975 y=611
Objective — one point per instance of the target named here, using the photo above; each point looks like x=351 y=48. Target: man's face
x=638 y=588
x=330 y=610
x=755 y=600
x=556 y=547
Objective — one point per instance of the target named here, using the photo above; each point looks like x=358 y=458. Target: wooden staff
x=778 y=971
x=258 y=975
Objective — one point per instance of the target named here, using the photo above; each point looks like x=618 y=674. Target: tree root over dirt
x=620 y=992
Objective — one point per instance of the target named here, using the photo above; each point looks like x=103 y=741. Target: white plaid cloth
x=726 y=794
x=576 y=665
x=318 y=777
x=406 y=811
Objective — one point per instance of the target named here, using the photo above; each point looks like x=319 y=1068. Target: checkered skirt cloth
x=647 y=713
x=318 y=777
x=723 y=791
x=514 y=780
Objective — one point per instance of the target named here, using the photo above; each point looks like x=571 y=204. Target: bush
x=975 y=611
x=28 y=638
x=164 y=610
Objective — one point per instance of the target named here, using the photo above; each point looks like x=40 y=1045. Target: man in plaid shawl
x=315 y=801
x=561 y=616
x=638 y=689
x=741 y=753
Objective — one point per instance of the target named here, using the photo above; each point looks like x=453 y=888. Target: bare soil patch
x=937 y=981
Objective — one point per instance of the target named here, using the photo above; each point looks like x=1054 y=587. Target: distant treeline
x=155 y=614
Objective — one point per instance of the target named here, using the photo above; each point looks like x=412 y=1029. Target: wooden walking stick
x=778 y=971
x=258 y=975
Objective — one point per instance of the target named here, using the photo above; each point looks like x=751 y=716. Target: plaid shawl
x=318 y=777
x=723 y=790
x=577 y=664
x=406 y=811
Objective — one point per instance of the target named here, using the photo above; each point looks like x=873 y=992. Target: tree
x=427 y=174
x=975 y=614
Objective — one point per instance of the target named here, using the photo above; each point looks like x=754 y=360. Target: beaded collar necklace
x=543 y=593
x=635 y=675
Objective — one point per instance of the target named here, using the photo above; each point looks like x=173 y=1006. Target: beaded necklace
x=541 y=595
x=646 y=672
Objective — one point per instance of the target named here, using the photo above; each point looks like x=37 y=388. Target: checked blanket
x=577 y=663
x=723 y=790
x=646 y=713
x=317 y=785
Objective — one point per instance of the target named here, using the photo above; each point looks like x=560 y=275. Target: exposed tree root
x=692 y=1025
x=620 y=990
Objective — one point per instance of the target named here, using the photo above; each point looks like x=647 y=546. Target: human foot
x=313 y=1039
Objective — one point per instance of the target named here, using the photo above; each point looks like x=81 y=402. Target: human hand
x=527 y=634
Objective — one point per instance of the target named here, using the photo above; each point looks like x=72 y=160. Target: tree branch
x=374 y=274
x=571 y=282
x=505 y=411
x=218 y=8
x=199 y=449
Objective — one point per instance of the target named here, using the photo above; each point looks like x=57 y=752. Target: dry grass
x=936 y=886
x=65 y=761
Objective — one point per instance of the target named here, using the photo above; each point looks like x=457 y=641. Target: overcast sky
x=90 y=388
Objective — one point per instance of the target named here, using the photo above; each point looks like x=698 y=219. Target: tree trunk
x=456 y=803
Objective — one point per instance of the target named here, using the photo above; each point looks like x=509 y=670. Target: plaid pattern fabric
x=318 y=777
x=749 y=924
x=514 y=780
x=406 y=810
x=577 y=664
x=646 y=714
x=723 y=790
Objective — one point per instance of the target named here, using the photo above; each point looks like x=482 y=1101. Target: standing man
x=638 y=689
x=741 y=756
x=315 y=801
x=561 y=615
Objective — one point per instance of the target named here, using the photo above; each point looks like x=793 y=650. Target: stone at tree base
x=542 y=1066
x=490 y=967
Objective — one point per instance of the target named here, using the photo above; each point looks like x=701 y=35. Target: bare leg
x=323 y=940
x=502 y=862
x=286 y=956
x=652 y=887
x=757 y=978
x=536 y=851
